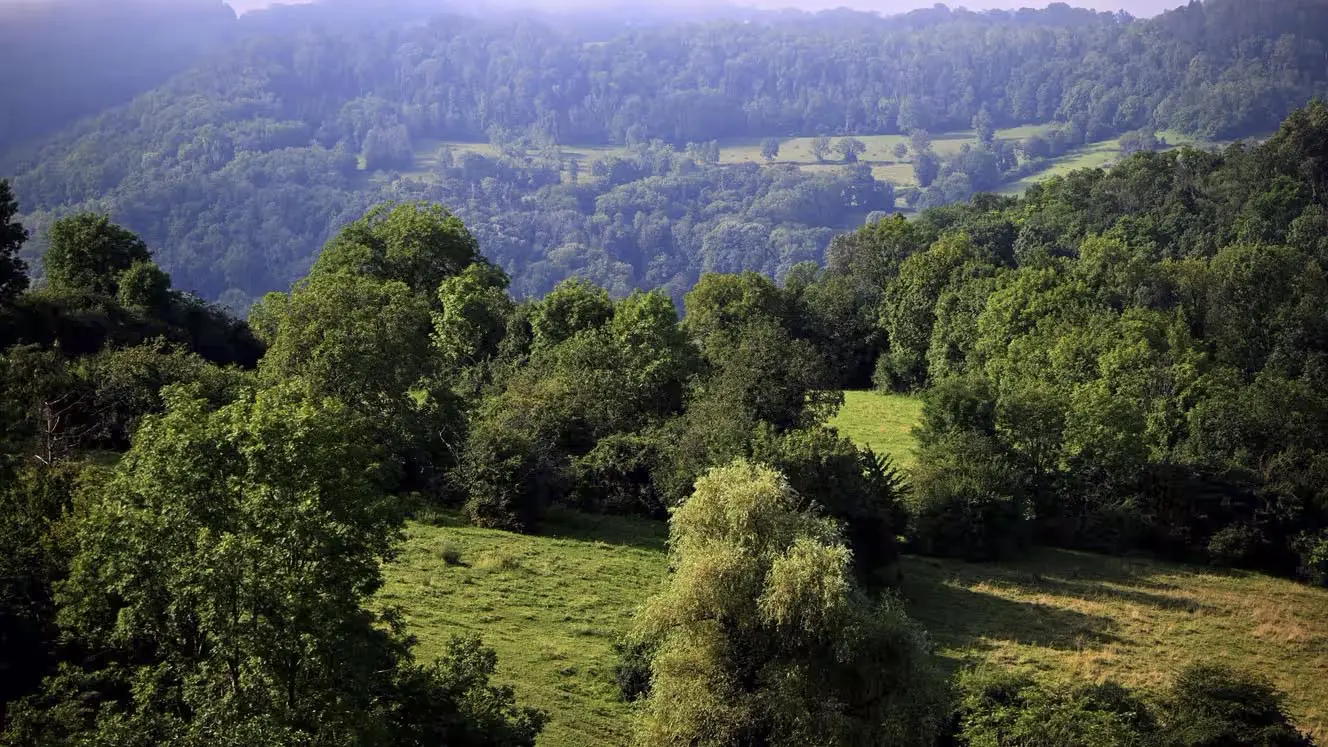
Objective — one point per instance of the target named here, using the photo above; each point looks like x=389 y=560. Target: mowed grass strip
x=883 y=422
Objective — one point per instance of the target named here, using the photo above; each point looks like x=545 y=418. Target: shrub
x=632 y=672
x=763 y=637
x=857 y=487
x=997 y=708
x=451 y=554
x=615 y=477
x=452 y=702
x=1212 y=705
x=508 y=479
x=1312 y=548
x=1234 y=544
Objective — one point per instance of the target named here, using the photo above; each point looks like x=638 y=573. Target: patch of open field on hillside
x=880 y=154
x=553 y=605
x=1065 y=615
x=882 y=421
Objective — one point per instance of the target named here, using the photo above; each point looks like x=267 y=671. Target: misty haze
x=696 y=373
x=885 y=7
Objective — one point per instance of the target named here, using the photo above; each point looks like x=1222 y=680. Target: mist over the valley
x=1135 y=7
x=1141 y=8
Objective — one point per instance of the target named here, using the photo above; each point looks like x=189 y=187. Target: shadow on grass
x=963 y=618
x=1095 y=591
x=645 y=534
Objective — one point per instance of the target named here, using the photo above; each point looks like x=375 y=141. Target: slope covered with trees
x=238 y=169
x=1122 y=359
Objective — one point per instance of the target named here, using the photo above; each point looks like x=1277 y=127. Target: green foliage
x=1120 y=360
x=850 y=148
x=475 y=311
x=221 y=576
x=772 y=377
x=615 y=476
x=145 y=286
x=658 y=358
x=571 y=422
x=1313 y=551
x=762 y=636
x=1215 y=705
x=821 y=148
x=1235 y=545
x=968 y=500
x=837 y=318
x=33 y=558
x=350 y=336
x=417 y=244
x=575 y=306
x=909 y=309
x=1207 y=705
x=632 y=672
x=452 y=702
x=89 y=253
x=718 y=306
x=859 y=489
x=997 y=708
x=509 y=477
x=926 y=167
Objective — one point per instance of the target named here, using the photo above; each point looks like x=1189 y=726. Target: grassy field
x=1070 y=616
x=1094 y=156
x=883 y=422
x=552 y=607
x=797 y=151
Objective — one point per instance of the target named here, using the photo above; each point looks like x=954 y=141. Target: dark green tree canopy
x=88 y=252
x=417 y=244
x=13 y=271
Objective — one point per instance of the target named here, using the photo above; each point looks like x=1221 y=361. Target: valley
x=421 y=373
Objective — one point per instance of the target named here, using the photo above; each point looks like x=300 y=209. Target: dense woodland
x=196 y=509
x=281 y=127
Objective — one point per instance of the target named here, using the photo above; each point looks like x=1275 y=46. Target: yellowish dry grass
x=1067 y=615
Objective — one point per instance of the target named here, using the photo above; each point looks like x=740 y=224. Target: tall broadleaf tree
x=761 y=636
x=221 y=578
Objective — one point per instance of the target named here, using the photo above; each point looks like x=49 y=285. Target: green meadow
x=553 y=605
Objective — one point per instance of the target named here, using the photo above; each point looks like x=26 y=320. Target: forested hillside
x=237 y=169
x=197 y=511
